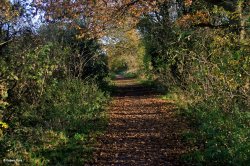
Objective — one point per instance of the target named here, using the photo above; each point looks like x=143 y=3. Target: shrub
x=61 y=129
x=222 y=138
x=72 y=101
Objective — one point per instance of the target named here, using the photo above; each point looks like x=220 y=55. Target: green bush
x=72 y=101
x=130 y=75
x=221 y=138
x=61 y=129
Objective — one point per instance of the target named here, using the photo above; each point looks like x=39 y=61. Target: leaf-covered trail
x=143 y=129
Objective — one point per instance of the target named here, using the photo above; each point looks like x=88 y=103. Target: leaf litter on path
x=143 y=129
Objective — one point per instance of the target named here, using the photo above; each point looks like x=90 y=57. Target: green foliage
x=208 y=62
x=222 y=138
x=71 y=101
x=119 y=66
x=130 y=75
x=85 y=58
x=51 y=104
x=3 y=106
x=125 y=51
x=62 y=128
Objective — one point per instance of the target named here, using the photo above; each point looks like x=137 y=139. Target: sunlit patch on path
x=143 y=129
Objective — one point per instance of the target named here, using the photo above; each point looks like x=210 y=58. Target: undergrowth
x=216 y=137
x=61 y=129
x=222 y=138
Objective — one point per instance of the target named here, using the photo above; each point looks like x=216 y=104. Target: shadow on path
x=143 y=129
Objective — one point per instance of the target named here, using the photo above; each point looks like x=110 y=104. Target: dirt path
x=143 y=129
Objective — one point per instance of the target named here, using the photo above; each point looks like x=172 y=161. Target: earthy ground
x=143 y=129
